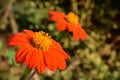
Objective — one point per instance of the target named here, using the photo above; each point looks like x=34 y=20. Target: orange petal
x=61 y=51
x=29 y=32
x=19 y=35
x=28 y=57
x=58 y=47
x=83 y=35
x=50 y=60
x=22 y=35
x=70 y=27
x=55 y=18
x=61 y=26
x=61 y=64
x=56 y=44
x=18 y=39
x=35 y=58
x=41 y=65
x=57 y=13
x=75 y=35
x=21 y=53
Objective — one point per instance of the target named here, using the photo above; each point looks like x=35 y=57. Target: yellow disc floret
x=42 y=40
x=72 y=18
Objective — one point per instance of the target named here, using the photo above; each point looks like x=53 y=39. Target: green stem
x=32 y=73
x=28 y=74
x=61 y=35
x=25 y=73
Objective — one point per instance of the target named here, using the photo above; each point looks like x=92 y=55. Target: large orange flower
x=38 y=50
x=70 y=22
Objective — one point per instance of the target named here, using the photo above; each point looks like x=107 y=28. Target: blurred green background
x=97 y=58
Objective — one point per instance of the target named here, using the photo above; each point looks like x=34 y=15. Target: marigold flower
x=38 y=50
x=70 y=22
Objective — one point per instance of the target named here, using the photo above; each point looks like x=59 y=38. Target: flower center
x=42 y=40
x=72 y=18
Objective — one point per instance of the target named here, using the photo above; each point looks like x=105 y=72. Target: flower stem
x=32 y=73
x=61 y=35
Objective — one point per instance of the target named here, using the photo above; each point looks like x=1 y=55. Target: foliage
x=97 y=58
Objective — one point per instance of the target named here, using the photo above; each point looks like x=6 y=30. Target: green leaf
x=11 y=56
x=1 y=45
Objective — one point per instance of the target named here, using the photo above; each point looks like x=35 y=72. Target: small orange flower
x=70 y=22
x=38 y=50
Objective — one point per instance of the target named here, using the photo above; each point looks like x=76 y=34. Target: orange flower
x=38 y=50
x=70 y=22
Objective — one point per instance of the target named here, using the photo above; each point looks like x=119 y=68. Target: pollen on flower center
x=42 y=40
x=72 y=18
